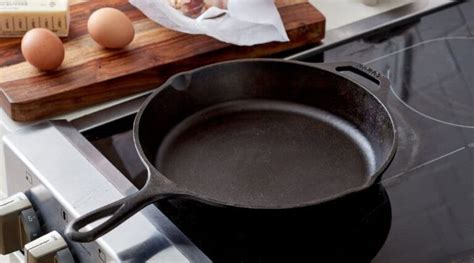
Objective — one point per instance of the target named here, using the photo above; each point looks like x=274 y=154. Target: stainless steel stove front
x=64 y=176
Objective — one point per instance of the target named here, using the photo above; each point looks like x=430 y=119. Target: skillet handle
x=119 y=211
x=383 y=84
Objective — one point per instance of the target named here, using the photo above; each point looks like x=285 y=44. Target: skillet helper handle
x=381 y=82
x=119 y=211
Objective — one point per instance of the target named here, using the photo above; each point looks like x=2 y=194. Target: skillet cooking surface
x=259 y=152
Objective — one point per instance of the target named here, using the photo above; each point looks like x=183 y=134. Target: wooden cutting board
x=91 y=74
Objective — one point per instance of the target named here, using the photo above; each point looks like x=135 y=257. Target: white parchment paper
x=244 y=23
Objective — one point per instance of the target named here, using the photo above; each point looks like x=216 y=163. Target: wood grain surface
x=91 y=74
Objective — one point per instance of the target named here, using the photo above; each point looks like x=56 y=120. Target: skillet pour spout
x=259 y=134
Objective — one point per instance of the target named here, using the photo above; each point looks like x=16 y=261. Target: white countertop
x=343 y=12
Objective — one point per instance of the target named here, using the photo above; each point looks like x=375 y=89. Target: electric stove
x=430 y=183
x=421 y=211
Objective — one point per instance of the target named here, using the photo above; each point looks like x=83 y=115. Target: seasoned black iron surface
x=258 y=152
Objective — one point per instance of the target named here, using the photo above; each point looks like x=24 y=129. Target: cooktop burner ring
x=436 y=105
x=426 y=115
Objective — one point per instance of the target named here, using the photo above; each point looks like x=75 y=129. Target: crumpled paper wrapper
x=244 y=23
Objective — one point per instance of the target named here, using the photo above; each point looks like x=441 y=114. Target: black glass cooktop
x=423 y=211
x=431 y=181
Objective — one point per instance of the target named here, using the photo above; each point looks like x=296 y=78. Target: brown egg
x=110 y=28
x=42 y=49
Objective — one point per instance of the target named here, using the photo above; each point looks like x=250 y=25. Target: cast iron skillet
x=257 y=134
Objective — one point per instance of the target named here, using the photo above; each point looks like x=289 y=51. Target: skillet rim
x=174 y=189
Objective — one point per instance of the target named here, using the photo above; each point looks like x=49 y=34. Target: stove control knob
x=30 y=226
x=47 y=249
x=10 y=226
